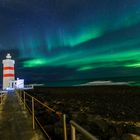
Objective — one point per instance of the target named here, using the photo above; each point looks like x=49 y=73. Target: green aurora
x=69 y=40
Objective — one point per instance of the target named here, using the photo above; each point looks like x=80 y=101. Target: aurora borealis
x=61 y=40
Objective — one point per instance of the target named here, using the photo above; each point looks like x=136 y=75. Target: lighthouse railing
x=31 y=106
x=75 y=127
x=30 y=102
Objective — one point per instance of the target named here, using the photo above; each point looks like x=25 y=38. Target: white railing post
x=85 y=133
x=65 y=127
x=73 y=133
x=33 y=113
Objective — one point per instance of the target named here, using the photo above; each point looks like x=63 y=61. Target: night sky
x=71 y=40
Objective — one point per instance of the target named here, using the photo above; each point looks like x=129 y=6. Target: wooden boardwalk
x=15 y=122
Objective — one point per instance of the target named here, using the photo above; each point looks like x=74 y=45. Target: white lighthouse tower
x=8 y=71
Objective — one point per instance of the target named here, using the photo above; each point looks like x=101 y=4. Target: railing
x=28 y=86
x=23 y=97
x=75 y=126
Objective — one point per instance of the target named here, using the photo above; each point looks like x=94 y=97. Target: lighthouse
x=8 y=71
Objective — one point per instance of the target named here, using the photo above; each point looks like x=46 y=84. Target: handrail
x=44 y=105
x=32 y=111
x=75 y=126
x=40 y=102
x=43 y=129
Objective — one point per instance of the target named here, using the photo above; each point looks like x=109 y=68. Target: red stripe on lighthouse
x=8 y=75
x=8 y=68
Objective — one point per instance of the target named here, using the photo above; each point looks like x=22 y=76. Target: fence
x=75 y=126
x=31 y=104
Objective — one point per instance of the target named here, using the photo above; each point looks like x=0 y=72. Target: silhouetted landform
x=106 y=111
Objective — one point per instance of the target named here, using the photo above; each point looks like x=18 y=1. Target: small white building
x=16 y=84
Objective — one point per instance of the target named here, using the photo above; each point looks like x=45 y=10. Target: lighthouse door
x=12 y=84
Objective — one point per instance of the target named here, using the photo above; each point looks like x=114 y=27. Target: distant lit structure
x=8 y=71
x=17 y=84
x=9 y=82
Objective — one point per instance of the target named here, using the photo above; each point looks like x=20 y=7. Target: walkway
x=15 y=122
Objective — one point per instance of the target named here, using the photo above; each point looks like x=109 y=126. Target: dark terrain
x=109 y=112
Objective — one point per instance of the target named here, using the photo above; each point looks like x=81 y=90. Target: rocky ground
x=109 y=112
